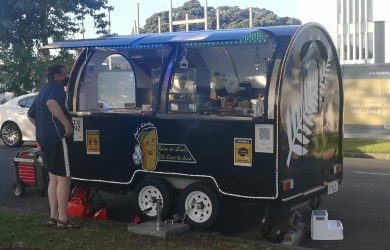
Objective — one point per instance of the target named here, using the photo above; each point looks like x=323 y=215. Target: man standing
x=54 y=131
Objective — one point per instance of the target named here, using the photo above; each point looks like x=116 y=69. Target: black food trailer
x=251 y=113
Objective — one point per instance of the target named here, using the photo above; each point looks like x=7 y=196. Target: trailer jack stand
x=267 y=224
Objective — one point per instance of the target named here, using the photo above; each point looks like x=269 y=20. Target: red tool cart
x=30 y=172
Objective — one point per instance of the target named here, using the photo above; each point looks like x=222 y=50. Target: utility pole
x=186 y=22
x=170 y=16
x=159 y=24
x=137 y=18
x=217 y=19
x=250 y=17
x=109 y=22
x=82 y=25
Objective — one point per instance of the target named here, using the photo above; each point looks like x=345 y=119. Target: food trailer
x=251 y=113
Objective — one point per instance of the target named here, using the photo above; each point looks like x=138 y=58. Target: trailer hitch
x=177 y=217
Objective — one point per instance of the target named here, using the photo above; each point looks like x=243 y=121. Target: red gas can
x=79 y=208
x=100 y=215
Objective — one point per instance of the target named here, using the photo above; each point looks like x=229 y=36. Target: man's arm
x=56 y=110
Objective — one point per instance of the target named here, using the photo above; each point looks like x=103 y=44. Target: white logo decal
x=303 y=109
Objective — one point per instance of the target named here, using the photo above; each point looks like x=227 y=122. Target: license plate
x=333 y=187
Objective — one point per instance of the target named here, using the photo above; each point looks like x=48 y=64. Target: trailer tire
x=146 y=193
x=18 y=188
x=200 y=205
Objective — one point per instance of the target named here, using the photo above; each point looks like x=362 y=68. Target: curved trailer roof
x=276 y=32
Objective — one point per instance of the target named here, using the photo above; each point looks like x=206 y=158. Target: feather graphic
x=302 y=109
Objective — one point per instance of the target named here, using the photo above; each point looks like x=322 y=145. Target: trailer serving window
x=223 y=78
x=120 y=78
x=116 y=82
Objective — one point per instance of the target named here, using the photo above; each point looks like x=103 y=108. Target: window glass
x=370 y=45
x=363 y=45
x=229 y=87
x=116 y=83
x=30 y=101
x=357 y=45
x=345 y=57
x=22 y=103
x=350 y=47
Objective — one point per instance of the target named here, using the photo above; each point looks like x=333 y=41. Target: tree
x=26 y=26
x=230 y=17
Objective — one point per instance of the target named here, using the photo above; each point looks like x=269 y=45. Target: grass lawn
x=368 y=146
x=29 y=231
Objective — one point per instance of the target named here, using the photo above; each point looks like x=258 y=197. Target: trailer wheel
x=146 y=194
x=18 y=188
x=200 y=205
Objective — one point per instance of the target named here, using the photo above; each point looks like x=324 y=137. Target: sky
x=125 y=11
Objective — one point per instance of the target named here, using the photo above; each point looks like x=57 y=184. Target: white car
x=15 y=126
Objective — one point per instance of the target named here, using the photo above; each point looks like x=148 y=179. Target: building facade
x=360 y=30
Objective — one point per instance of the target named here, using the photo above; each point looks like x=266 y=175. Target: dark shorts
x=57 y=159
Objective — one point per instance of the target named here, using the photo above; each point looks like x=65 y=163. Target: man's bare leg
x=52 y=193
x=63 y=192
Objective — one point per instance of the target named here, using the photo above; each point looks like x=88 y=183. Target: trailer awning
x=276 y=32
x=104 y=41
x=198 y=36
x=218 y=35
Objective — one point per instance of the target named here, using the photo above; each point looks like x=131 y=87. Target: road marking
x=370 y=173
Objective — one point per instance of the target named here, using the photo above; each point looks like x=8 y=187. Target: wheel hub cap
x=10 y=135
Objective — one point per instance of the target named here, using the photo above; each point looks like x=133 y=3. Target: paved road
x=362 y=205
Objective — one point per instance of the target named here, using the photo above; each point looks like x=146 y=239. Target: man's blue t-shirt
x=49 y=129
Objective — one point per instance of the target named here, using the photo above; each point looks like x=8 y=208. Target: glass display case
x=189 y=89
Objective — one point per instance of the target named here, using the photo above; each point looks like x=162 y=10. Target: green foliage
x=230 y=18
x=26 y=27
x=368 y=146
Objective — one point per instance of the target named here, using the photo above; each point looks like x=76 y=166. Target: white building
x=352 y=24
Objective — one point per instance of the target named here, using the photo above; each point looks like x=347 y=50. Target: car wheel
x=12 y=137
x=200 y=205
x=148 y=192
x=18 y=188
